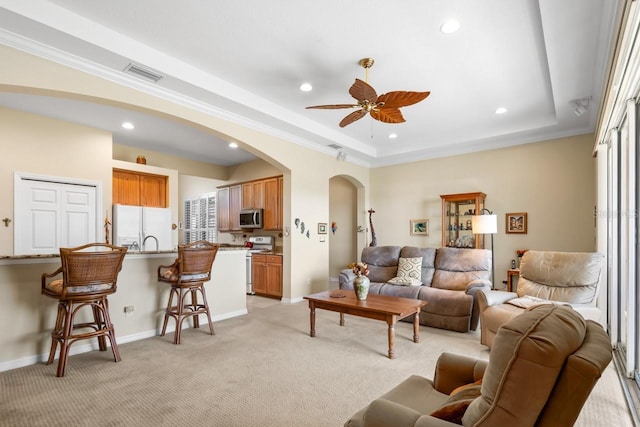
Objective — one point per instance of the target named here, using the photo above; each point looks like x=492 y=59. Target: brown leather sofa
x=542 y=367
x=570 y=278
x=450 y=280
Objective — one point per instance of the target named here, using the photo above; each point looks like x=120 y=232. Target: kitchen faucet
x=145 y=241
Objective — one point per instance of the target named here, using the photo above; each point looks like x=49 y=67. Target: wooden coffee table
x=380 y=307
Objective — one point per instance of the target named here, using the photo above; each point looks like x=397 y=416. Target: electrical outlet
x=128 y=310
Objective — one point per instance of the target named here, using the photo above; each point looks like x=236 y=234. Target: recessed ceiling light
x=233 y=145
x=128 y=125
x=393 y=136
x=451 y=26
x=501 y=110
x=306 y=87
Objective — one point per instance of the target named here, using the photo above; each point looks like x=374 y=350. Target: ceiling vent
x=145 y=73
x=335 y=146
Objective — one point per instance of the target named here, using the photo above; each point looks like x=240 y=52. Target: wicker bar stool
x=89 y=275
x=187 y=277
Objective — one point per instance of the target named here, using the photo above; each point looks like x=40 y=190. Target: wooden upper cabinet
x=153 y=191
x=139 y=189
x=222 y=209
x=126 y=188
x=273 y=203
x=235 y=201
x=253 y=195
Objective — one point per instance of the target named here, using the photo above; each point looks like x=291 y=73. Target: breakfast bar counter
x=32 y=316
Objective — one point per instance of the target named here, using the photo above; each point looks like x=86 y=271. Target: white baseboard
x=93 y=345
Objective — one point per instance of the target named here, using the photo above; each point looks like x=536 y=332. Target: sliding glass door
x=623 y=245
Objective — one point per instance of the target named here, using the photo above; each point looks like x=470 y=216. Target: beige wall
x=255 y=169
x=39 y=145
x=552 y=181
x=162 y=160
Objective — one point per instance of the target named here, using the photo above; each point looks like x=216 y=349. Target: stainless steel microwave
x=251 y=218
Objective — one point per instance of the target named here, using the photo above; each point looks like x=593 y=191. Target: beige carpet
x=261 y=369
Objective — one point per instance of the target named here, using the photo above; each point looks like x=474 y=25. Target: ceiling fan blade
x=334 y=107
x=356 y=115
x=362 y=91
x=400 y=98
x=388 y=115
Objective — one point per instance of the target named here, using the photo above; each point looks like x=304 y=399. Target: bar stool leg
x=168 y=311
x=194 y=307
x=206 y=308
x=64 y=340
x=111 y=333
x=100 y=325
x=177 y=338
x=57 y=331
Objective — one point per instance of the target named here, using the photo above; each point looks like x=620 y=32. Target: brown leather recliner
x=548 y=357
x=570 y=278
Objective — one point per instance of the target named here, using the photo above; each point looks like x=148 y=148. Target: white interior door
x=50 y=215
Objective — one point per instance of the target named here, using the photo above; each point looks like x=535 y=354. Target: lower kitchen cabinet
x=267 y=275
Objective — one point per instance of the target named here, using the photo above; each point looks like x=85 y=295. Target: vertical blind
x=200 y=219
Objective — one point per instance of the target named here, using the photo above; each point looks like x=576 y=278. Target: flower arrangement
x=359 y=268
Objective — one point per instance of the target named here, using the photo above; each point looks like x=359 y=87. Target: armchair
x=540 y=372
x=570 y=278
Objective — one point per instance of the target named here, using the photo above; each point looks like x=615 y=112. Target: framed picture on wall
x=419 y=227
x=322 y=228
x=516 y=223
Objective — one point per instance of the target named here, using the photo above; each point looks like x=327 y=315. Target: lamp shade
x=484 y=224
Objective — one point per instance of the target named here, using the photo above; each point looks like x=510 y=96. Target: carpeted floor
x=261 y=369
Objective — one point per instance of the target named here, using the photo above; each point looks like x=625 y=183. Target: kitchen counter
x=28 y=340
x=44 y=258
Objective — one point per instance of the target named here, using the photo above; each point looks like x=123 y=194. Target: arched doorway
x=343 y=213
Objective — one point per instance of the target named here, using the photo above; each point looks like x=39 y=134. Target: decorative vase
x=361 y=286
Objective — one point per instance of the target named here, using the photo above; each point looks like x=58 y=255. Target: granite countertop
x=223 y=247
x=45 y=256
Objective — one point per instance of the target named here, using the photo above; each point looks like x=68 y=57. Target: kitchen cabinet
x=235 y=203
x=222 y=209
x=263 y=194
x=139 y=189
x=273 y=203
x=253 y=195
x=457 y=210
x=267 y=274
x=228 y=209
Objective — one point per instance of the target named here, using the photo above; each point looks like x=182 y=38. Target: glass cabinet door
x=457 y=210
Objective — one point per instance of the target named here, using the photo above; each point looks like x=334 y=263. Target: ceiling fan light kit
x=384 y=108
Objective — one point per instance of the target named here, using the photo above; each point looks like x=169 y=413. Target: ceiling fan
x=385 y=108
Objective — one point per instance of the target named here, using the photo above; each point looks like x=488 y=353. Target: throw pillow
x=465 y=386
x=409 y=272
x=454 y=407
x=171 y=273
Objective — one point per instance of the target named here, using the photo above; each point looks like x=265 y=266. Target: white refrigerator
x=142 y=228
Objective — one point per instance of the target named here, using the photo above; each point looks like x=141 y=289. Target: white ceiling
x=244 y=61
